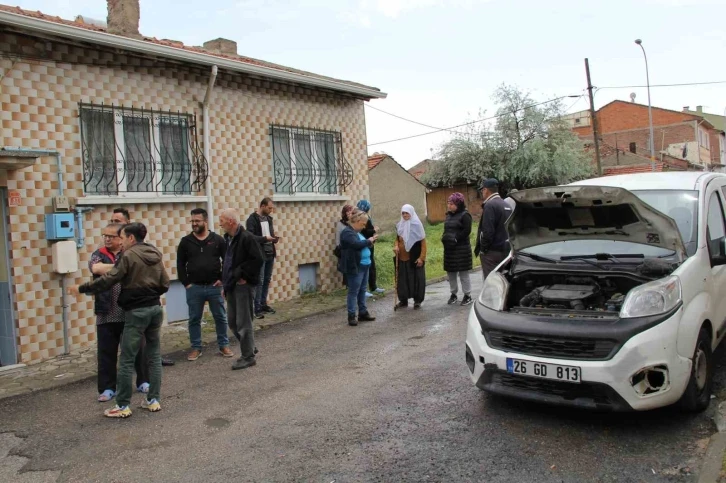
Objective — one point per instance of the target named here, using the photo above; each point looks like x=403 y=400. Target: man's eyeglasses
x=109 y=237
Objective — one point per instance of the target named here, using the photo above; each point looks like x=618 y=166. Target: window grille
x=308 y=161
x=130 y=150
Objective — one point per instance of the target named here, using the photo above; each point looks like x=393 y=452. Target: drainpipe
x=205 y=114
x=64 y=279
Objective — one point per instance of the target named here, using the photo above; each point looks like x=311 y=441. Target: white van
x=613 y=297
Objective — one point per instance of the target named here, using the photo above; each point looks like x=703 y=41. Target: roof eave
x=175 y=53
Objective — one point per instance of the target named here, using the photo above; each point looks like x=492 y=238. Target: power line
x=472 y=122
x=665 y=85
x=411 y=121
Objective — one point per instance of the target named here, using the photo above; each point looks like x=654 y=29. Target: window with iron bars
x=142 y=151
x=308 y=161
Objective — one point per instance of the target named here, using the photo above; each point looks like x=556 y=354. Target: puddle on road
x=217 y=423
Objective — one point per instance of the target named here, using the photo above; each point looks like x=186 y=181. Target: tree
x=527 y=146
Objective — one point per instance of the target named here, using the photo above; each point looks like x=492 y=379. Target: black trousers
x=372 y=285
x=109 y=340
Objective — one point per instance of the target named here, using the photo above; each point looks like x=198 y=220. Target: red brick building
x=680 y=135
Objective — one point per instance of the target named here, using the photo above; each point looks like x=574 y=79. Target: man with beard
x=199 y=267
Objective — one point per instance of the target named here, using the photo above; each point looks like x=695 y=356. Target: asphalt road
x=388 y=400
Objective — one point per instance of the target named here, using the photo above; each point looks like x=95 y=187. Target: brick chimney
x=123 y=17
x=221 y=46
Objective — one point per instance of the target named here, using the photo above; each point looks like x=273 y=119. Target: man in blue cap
x=491 y=237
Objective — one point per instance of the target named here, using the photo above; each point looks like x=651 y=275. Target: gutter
x=140 y=46
x=206 y=141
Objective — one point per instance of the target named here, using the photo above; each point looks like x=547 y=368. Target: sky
x=440 y=61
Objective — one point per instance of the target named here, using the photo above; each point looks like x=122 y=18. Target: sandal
x=106 y=395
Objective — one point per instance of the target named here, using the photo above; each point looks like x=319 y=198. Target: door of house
x=8 y=347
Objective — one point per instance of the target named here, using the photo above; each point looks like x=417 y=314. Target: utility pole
x=593 y=119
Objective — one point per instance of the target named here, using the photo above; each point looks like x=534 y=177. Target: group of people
x=129 y=278
x=356 y=237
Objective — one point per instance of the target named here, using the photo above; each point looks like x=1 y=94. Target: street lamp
x=650 y=111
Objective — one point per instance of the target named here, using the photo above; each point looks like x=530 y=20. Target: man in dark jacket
x=199 y=266
x=110 y=319
x=143 y=280
x=491 y=239
x=240 y=275
x=260 y=224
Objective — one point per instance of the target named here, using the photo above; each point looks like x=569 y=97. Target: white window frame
x=316 y=182
x=154 y=152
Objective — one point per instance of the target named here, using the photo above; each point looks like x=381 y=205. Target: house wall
x=391 y=187
x=670 y=139
x=621 y=116
x=39 y=108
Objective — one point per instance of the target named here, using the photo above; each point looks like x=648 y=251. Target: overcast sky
x=440 y=60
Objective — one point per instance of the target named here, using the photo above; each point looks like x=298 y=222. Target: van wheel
x=698 y=392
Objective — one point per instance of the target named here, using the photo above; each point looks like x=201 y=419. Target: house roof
x=719 y=122
x=41 y=23
x=376 y=159
x=420 y=168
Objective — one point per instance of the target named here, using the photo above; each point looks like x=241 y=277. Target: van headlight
x=494 y=293
x=652 y=298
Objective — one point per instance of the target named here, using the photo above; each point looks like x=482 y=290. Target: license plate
x=543 y=370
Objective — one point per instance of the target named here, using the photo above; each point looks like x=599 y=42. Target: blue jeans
x=264 y=285
x=197 y=295
x=357 y=290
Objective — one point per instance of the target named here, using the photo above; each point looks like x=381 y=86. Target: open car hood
x=545 y=215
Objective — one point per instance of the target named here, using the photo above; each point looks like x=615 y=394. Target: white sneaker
x=368 y=294
x=380 y=290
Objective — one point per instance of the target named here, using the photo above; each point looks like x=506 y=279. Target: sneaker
x=243 y=363
x=153 y=405
x=118 y=412
x=453 y=299
x=467 y=300
x=226 y=352
x=366 y=317
x=352 y=321
x=194 y=355
x=368 y=294
x=143 y=388
x=259 y=315
x=379 y=290
x=401 y=305
x=417 y=306
x=268 y=310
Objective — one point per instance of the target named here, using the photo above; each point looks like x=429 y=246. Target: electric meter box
x=65 y=256
x=59 y=226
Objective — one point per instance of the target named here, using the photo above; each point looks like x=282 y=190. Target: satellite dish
x=632 y=97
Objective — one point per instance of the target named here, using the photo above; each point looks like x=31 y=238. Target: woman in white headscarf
x=410 y=249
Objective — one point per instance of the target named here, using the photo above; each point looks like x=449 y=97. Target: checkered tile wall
x=39 y=108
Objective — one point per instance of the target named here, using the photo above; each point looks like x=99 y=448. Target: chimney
x=221 y=46
x=123 y=17
x=686 y=108
x=699 y=109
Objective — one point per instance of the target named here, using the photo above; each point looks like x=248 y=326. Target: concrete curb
x=711 y=468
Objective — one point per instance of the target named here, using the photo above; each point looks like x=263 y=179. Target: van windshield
x=682 y=206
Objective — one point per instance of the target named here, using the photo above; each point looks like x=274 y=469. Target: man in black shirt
x=199 y=267
x=491 y=237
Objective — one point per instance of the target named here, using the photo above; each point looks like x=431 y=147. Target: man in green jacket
x=143 y=280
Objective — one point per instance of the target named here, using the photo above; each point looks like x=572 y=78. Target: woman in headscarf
x=355 y=261
x=339 y=227
x=410 y=250
x=457 y=248
x=369 y=231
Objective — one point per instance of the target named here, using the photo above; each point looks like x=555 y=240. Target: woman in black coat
x=457 y=248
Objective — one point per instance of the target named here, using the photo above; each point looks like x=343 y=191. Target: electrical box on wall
x=59 y=226
x=61 y=203
x=65 y=257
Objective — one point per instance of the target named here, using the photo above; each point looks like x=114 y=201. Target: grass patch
x=434 y=256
